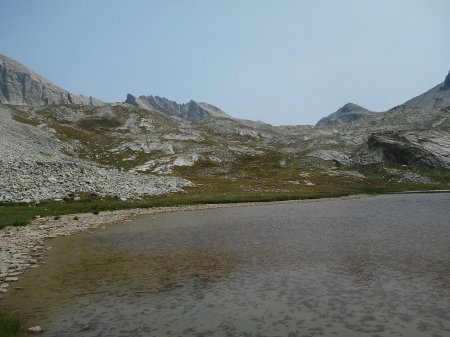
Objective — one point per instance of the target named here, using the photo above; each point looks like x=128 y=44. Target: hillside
x=151 y=146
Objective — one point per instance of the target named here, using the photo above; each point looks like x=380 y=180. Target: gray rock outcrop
x=421 y=149
x=20 y=85
x=35 y=181
x=191 y=111
x=34 y=168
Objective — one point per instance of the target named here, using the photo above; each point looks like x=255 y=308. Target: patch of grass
x=20 y=223
x=9 y=325
x=21 y=117
x=13 y=214
x=216 y=190
x=102 y=122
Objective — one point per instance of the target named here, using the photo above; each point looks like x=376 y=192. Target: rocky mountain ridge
x=20 y=85
x=137 y=148
x=191 y=111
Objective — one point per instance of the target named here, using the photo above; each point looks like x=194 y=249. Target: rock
x=11 y=279
x=333 y=155
x=192 y=111
x=35 y=329
x=86 y=327
x=437 y=97
x=21 y=86
x=426 y=149
x=98 y=181
x=350 y=112
x=354 y=174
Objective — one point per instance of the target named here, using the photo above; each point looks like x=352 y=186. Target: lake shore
x=24 y=247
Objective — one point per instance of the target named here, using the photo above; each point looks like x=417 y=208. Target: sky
x=280 y=62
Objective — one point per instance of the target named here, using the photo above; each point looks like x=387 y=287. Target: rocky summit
x=56 y=145
x=350 y=112
x=191 y=111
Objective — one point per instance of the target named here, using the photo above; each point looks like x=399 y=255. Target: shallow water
x=369 y=267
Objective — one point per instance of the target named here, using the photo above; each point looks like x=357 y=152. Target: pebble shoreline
x=23 y=247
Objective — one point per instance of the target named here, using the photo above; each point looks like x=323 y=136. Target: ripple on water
x=370 y=267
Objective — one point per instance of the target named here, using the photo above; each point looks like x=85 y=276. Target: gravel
x=34 y=168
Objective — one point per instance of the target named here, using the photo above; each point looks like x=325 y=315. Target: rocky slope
x=35 y=166
x=20 y=85
x=350 y=112
x=437 y=97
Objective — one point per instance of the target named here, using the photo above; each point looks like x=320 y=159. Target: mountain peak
x=20 y=85
x=350 y=112
x=351 y=107
x=192 y=111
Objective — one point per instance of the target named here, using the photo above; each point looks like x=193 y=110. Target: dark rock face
x=396 y=148
x=192 y=111
x=22 y=86
x=349 y=113
x=446 y=85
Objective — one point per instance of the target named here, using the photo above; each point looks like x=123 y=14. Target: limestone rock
x=35 y=329
x=192 y=111
x=20 y=85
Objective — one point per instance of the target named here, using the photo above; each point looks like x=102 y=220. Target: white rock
x=35 y=329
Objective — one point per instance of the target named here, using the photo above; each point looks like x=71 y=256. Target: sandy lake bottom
x=377 y=266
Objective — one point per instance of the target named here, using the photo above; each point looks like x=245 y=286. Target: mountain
x=150 y=145
x=192 y=111
x=350 y=112
x=437 y=97
x=20 y=85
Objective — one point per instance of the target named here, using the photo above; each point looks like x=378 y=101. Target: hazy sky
x=282 y=62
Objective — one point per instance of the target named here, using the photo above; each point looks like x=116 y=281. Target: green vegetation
x=212 y=191
x=9 y=325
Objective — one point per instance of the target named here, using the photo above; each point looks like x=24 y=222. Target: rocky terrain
x=34 y=167
x=350 y=112
x=56 y=145
x=192 y=111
